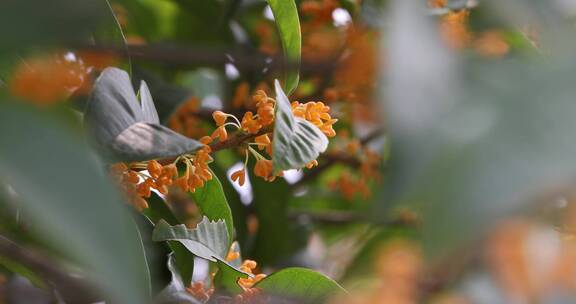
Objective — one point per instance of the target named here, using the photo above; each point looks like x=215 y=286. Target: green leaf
x=184 y=260
x=175 y=292
x=213 y=204
x=227 y=277
x=125 y=129
x=286 y=17
x=300 y=283
x=297 y=142
x=158 y=210
x=24 y=271
x=145 y=141
x=209 y=240
x=479 y=143
x=71 y=202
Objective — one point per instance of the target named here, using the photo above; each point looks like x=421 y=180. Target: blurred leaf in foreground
x=33 y=23
x=473 y=142
x=68 y=198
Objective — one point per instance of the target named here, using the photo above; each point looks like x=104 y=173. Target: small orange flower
x=266 y=114
x=232 y=255
x=240 y=95
x=249 y=266
x=219 y=117
x=249 y=124
x=206 y=140
x=198 y=290
x=316 y=113
x=220 y=133
x=263 y=141
x=143 y=189
x=185 y=121
x=47 y=80
x=263 y=168
x=312 y=164
x=154 y=168
x=239 y=177
x=260 y=98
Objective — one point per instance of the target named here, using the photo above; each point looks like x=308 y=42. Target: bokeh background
x=449 y=180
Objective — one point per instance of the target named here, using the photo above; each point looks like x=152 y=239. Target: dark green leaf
x=113 y=106
x=175 y=293
x=71 y=202
x=297 y=142
x=212 y=202
x=227 y=277
x=158 y=210
x=144 y=141
x=300 y=283
x=209 y=240
x=184 y=260
x=125 y=129
x=288 y=24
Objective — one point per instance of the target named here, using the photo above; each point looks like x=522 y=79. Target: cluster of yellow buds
x=138 y=184
x=255 y=122
x=184 y=121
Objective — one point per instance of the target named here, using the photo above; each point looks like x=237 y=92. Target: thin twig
x=237 y=139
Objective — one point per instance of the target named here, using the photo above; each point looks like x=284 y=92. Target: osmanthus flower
x=127 y=129
x=184 y=120
x=298 y=133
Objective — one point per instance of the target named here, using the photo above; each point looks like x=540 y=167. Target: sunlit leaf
x=286 y=17
x=300 y=283
x=213 y=204
x=209 y=240
x=297 y=142
x=227 y=277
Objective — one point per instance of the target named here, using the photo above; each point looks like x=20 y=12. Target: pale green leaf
x=297 y=142
x=300 y=283
x=213 y=204
x=209 y=240
x=286 y=17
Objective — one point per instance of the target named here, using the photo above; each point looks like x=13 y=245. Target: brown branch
x=237 y=139
x=72 y=290
x=192 y=56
